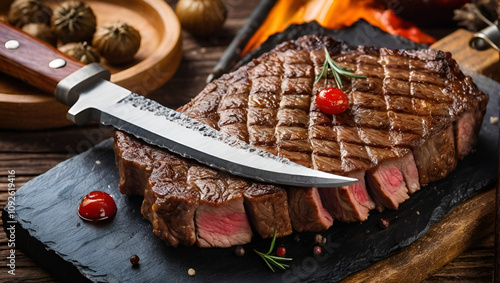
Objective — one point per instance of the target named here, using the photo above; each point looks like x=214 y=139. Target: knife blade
x=92 y=96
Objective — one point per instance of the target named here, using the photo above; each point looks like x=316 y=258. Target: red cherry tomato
x=332 y=101
x=96 y=206
x=281 y=251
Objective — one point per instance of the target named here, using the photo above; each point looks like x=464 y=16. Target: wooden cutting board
x=26 y=108
x=468 y=222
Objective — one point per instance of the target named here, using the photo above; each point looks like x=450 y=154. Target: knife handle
x=32 y=60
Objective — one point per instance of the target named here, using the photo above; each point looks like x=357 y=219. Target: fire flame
x=334 y=14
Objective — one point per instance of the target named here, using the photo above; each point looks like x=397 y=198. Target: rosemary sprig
x=336 y=70
x=271 y=260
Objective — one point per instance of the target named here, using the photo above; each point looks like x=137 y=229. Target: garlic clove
x=74 y=21
x=117 y=42
x=201 y=17
x=41 y=31
x=81 y=51
x=22 y=12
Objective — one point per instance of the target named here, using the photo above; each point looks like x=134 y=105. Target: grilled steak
x=188 y=203
x=409 y=123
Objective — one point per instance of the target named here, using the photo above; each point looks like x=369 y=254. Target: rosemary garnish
x=336 y=70
x=271 y=259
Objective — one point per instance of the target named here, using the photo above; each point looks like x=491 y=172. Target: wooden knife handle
x=29 y=59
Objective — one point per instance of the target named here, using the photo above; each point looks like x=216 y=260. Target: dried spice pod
x=81 y=51
x=22 y=12
x=201 y=17
x=41 y=31
x=74 y=21
x=117 y=42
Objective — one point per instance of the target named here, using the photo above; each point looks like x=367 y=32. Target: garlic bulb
x=41 y=31
x=201 y=17
x=74 y=21
x=81 y=51
x=22 y=12
x=117 y=42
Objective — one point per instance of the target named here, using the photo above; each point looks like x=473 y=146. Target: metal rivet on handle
x=57 y=63
x=12 y=44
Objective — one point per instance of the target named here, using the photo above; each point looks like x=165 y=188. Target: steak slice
x=436 y=157
x=348 y=203
x=306 y=210
x=169 y=204
x=267 y=206
x=170 y=209
x=391 y=182
x=408 y=123
x=220 y=218
x=467 y=130
x=187 y=203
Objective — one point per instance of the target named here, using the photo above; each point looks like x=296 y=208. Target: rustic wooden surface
x=161 y=49
x=31 y=153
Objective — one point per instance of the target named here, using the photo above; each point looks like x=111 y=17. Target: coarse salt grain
x=493 y=120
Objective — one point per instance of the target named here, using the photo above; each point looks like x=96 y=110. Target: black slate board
x=49 y=230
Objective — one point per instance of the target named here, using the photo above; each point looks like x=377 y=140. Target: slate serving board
x=49 y=230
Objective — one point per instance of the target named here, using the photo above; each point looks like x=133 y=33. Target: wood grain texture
x=25 y=107
x=485 y=62
x=441 y=244
x=30 y=61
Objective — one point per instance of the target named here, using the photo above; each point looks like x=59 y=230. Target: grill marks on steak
x=408 y=98
x=408 y=123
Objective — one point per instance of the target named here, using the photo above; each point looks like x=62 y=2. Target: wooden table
x=31 y=153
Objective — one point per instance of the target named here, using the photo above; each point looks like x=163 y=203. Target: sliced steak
x=220 y=219
x=391 y=182
x=133 y=162
x=171 y=209
x=409 y=122
x=436 y=157
x=466 y=131
x=187 y=203
x=348 y=203
x=306 y=210
x=267 y=206
x=169 y=204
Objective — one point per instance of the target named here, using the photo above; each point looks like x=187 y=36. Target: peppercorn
x=317 y=250
x=134 y=260
x=319 y=240
x=281 y=252
x=383 y=223
x=239 y=250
